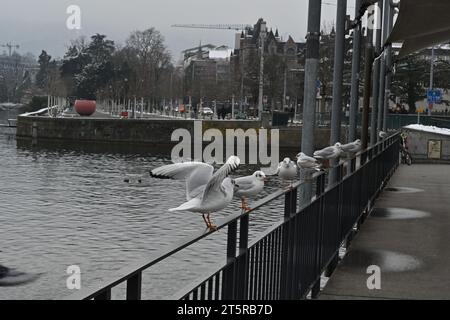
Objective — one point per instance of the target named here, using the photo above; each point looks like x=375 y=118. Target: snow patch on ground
x=431 y=129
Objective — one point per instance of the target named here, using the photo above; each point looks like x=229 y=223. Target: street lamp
x=263 y=30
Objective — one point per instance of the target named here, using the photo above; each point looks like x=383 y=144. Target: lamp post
x=262 y=36
x=430 y=106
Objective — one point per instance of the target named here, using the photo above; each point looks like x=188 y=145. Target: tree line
x=100 y=68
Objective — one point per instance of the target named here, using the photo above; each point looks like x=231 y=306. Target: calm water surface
x=69 y=205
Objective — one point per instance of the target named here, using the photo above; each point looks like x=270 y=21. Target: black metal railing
x=287 y=260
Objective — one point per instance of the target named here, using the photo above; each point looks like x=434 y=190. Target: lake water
x=63 y=205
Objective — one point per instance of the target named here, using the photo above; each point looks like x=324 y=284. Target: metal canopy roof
x=421 y=24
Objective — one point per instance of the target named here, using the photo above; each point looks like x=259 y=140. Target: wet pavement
x=407 y=237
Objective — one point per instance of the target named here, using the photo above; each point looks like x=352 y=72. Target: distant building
x=286 y=55
x=207 y=74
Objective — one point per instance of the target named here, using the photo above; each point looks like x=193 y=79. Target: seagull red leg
x=206 y=221
x=245 y=205
x=211 y=226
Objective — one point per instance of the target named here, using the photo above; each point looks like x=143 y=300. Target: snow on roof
x=430 y=129
x=220 y=53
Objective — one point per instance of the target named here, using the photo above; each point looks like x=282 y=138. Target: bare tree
x=149 y=58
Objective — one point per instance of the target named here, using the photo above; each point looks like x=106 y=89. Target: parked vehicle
x=207 y=112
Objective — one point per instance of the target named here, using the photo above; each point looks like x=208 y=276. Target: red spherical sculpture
x=85 y=107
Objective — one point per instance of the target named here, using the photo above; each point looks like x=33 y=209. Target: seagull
x=11 y=277
x=307 y=162
x=249 y=186
x=352 y=147
x=205 y=192
x=383 y=134
x=287 y=170
x=328 y=153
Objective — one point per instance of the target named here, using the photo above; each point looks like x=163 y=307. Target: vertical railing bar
x=229 y=272
x=273 y=268
x=134 y=287
x=202 y=291
x=260 y=271
x=210 y=289
x=251 y=276
x=266 y=268
x=217 y=286
x=242 y=276
x=194 y=294
x=279 y=262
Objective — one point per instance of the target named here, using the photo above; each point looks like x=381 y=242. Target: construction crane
x=236 y=27
x=10 y=46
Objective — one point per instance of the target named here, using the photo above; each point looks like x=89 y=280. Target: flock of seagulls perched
x=208 y=191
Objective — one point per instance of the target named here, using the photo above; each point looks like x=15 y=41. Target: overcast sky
x=41 y=24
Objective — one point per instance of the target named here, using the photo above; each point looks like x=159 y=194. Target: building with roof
x=283 y=74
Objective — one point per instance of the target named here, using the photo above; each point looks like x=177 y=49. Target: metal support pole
x=390 y=23
x=382 y=92
x=376 y=76
x=367 y=88
x=261 y=70
x=338 y=77
x=241 y=103
x=284 y=86
x=430 y=107
x=311 y=74
x=356 y=65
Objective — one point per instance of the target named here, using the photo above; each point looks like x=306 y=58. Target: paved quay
x=406 y=236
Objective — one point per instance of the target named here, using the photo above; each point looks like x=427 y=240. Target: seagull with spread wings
x=205 y=192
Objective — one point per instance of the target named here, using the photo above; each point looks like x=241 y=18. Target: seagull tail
x=187 y=206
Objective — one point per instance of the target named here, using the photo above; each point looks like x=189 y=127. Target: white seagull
x=307 y=162
x=383 y=134
x=11 y=277
x=287 y=170
x=352 y=147
x=249 y=186
x=328 y=153
x=205 y=192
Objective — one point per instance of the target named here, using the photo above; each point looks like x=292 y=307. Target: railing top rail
x=126 y=273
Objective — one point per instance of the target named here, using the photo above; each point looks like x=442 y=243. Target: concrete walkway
x=411 y=247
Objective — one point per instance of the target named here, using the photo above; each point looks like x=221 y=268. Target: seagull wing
x=324 y=153
x=214 y=185
x=348 y=147
x=308 y=158
x=196 y=174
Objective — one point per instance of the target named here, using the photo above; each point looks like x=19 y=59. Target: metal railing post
x=320 y=189
x=242 y=273
x=228 y=274
x=290 y=206
x=134 y=285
